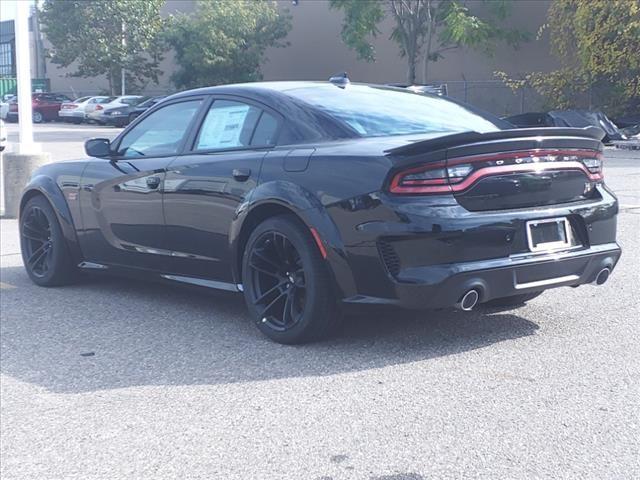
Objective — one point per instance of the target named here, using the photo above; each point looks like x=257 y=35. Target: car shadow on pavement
x=113 y=333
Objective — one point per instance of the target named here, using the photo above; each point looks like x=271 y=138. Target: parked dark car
x=144 y=106
x=45 y=107
x=311 y=198
x=627 y=121
x=568 y=118
x=124 y=115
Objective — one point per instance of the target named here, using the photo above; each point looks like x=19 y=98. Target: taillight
x=99 y=107
x=458 y=174
x=13 y=107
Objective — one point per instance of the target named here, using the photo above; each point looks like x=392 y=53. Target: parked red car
x=45 y=107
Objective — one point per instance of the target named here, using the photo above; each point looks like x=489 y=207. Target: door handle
x=241 y=174
x=153 y=182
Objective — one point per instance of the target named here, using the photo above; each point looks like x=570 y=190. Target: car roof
x=266 y=88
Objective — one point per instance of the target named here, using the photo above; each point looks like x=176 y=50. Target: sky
x=8 y=8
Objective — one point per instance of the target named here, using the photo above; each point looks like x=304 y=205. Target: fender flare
x=46 y=186
x=292 y=197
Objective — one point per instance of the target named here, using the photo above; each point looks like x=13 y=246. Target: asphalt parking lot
x=114 y=379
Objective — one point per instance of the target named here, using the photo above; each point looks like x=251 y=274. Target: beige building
x=316 y=52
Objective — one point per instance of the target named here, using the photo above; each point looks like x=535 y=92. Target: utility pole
x=122 y=71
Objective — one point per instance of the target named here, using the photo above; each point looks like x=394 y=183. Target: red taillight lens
x=13 y=107
x=99 y=107
x=430 y=178
x=458 y=174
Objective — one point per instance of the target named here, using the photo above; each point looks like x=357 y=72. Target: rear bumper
x=114 y=120
x=426 y=252
x=71 y=114
x=444 y=285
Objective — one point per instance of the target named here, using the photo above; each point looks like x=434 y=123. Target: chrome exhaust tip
x=468 y=300
x=602 y=276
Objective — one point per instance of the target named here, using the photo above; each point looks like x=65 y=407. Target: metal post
x=122 y=71
x=23 y=70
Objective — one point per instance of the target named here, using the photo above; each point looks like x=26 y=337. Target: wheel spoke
x=38 y=255
x=271 y=304
x=268 y=292
x=33 y=233
x=262 y=256
x=260 y=269
x=287 y=312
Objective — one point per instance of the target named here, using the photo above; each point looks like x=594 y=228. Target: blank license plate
x=549 y=234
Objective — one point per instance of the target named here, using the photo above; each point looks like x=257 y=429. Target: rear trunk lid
x=506 y=169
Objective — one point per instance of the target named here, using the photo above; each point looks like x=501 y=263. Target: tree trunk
x=411 y=74
x=430 y=16
x=111 y=83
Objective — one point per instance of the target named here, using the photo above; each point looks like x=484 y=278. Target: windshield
x=375 y=111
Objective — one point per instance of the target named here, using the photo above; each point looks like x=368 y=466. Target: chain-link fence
x=495 y=97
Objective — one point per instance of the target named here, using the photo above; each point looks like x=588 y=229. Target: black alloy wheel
x=278 y=281
x=44 y=250
x=38 y=248
x=287 y=285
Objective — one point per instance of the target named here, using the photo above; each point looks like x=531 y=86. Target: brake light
x=99 y=107
x=13 y=107
x=458 y=174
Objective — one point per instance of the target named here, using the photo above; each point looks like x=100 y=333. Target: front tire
x=45 y=253
x=287 y=285
x=37 y=117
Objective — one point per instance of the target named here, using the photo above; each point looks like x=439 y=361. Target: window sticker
x=222 y=127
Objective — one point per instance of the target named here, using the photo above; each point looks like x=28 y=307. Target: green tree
x=224 y=42
x=426 y=29
x=598 y=44
x=103 y=38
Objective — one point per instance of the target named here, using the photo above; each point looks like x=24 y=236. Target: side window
x=228 y=124
x=161 y=133
x=266 y=131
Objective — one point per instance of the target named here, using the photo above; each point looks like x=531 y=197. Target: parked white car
x=4 y=110
x=123 y=101
x=77 y=110
x=3 y=136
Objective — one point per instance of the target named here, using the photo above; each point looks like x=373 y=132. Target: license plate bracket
x=549 y=234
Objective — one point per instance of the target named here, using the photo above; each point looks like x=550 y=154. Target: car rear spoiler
x=456 y=139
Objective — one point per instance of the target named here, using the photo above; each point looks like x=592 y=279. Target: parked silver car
x=77 y=110
x=97 y=115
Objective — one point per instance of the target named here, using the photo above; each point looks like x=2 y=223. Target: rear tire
x=45 y=252
x=288 y=287
x=513 y=300
x=37 y=117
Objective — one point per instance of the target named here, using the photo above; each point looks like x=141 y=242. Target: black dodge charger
x=309 y=197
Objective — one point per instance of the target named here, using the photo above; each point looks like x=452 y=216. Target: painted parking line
x=6 y=286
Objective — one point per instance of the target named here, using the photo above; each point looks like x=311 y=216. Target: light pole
x=23 y=70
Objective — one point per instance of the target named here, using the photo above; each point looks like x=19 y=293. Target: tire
x=45 y=252
x=288 y=287
x=512 y=301
x=37 y=117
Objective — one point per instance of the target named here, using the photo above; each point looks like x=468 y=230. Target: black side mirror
x=98 y=147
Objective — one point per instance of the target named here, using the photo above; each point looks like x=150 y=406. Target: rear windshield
x=375 y=111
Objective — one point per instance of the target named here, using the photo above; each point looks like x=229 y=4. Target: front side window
x=231 y=124
x=161 y=133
